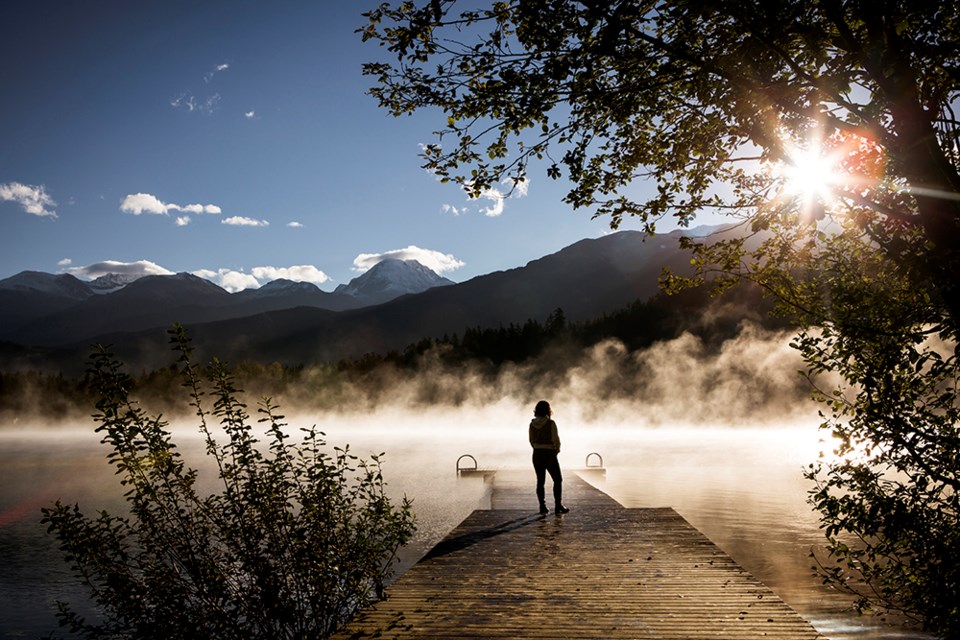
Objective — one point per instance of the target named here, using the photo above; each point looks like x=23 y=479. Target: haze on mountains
x=48 y=321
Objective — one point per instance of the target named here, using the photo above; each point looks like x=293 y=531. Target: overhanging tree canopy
x=828 y=125
x=700 y=99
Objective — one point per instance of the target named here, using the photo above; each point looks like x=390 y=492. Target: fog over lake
x=720 y=435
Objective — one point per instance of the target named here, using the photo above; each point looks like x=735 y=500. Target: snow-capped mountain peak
x=390 y=279
x=110 y=282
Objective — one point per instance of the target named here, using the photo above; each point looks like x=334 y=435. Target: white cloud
x=199 y=208
x=498 y=197
x=138 y=268
x=519 y=188
x=295 y=225
x=250 y=115
x=182 y=221
x=435 y=260
x=138 y=203
x=455 y=211
x=299 y=273
x=237 y=280
x=229 y=279
x=34 y=199
x=234 y=281
x=243 y=221
x=496 y=208
x=66 y=262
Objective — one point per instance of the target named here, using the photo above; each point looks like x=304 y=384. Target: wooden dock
x=600 y=572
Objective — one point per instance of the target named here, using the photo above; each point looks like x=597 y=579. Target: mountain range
x=42 y=309
x=49 y=321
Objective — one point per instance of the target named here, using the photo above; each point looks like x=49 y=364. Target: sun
x=820 y=172
x=811 y=172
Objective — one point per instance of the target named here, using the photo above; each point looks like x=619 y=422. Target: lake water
x=741 y=486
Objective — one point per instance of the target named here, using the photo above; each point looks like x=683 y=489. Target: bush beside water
x=296 y=540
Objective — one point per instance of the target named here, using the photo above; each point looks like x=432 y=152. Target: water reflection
x=742 y=487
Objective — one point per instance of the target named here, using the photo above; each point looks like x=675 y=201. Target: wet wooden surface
x=511 y=489
x=600 y=571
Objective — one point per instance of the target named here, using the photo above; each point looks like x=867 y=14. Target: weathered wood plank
x=601 y=571
x=517 y=490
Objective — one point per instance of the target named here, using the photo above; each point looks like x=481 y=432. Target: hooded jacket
x=543 y=434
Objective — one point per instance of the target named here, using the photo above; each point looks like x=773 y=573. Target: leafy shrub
x=293 y=544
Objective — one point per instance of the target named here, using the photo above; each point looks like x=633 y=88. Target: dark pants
x=545 y=460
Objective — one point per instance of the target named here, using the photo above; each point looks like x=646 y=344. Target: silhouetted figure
x=546 y=445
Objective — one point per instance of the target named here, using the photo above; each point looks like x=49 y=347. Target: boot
x=543 y=509
x=557 y=494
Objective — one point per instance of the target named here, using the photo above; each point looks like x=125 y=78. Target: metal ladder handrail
x=587 y=464
x=466 y=455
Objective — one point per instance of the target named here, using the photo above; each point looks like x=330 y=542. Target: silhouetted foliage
x=668 y=109
x=889 y=496
x=294 y=543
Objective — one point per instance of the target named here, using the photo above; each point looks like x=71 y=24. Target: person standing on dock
x=546 y=445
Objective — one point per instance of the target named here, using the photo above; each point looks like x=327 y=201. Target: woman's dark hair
x=542 y=409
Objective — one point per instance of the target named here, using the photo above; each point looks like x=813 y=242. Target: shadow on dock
x=600 y=571
x=451 y=544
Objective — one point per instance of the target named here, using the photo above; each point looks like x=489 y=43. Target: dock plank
x=514 y=489
x=601 y=571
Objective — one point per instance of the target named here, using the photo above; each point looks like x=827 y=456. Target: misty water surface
x=741 y=486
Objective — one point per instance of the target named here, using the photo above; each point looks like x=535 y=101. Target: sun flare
x=820 y=172
x=809 y=174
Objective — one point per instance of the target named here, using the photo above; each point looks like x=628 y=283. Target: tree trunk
x=930 y=172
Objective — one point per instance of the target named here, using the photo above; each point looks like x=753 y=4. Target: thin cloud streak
x=191 y=103
x=243 y=221
x=208 y=76
x=34 y=199
x=140 y=203
x=210 y=209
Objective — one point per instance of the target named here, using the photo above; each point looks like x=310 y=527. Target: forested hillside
x=550 y=346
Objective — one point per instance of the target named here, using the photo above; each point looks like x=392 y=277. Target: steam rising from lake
x=720 y=433
x=605 y=399
x=749 y=379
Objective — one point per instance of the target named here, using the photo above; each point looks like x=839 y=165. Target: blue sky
x=233 y=140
